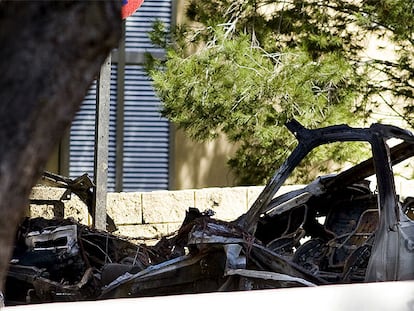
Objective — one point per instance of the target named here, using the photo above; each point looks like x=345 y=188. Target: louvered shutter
x=82 y=136
x=146 y=133
x=140 y=23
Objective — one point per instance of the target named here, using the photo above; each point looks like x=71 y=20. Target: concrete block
x=77 y=210
x=125 y=207
x=145 y=234
x=254 y=191
x=49 y=202
x=252 y=194
x=42 y=210
x=49 y=193
x=173 y=227
x=166 y=206
x=289 y=188
x=227 y=203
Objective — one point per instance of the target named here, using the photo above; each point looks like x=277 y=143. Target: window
x=143 y=160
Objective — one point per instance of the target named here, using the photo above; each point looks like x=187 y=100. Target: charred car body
x=352 y=233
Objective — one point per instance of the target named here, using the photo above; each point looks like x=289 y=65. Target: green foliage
x=256 y=64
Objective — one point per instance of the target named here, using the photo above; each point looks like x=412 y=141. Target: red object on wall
x=129 y=7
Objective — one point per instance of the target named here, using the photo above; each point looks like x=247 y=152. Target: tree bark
x=50 y=52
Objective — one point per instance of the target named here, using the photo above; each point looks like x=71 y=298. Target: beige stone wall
x=147 y=216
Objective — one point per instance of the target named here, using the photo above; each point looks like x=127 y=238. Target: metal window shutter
x=140 y=23
x=82 y=135
x=146 y=135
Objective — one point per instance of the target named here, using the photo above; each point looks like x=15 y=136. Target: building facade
x=145 y=152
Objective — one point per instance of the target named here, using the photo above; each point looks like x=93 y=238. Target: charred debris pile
x=334 y=230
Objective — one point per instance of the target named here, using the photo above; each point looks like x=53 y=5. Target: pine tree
x=243 y=68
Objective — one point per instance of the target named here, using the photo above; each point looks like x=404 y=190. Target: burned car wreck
x=334 y=230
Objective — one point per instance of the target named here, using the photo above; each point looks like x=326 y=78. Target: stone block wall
x=147 y=216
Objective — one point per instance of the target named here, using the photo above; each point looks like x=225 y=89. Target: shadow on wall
x=201 y=165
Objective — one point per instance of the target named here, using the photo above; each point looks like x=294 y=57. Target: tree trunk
x=50 y=52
